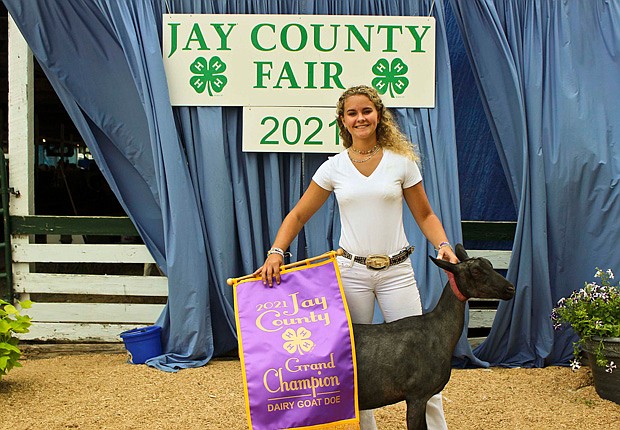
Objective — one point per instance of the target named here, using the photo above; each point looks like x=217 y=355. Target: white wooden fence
x=482 y=311
x=102 y=319
x=107 y=313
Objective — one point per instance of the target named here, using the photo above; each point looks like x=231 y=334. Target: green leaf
x=10 y=309
x=26 y=304
x=4 y=326
x=20 y=326
x=5 y=346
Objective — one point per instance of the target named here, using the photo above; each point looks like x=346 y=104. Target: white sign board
x=297 y=60
x=286 y=129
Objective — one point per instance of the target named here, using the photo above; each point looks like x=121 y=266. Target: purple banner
x=295 y=344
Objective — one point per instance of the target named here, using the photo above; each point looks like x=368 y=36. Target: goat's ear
x=443 y=264
x=460 y=252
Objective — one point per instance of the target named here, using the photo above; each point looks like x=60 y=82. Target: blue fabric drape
x=104 y=61
x=206 y=210
x=483 y=189
x=548 y=74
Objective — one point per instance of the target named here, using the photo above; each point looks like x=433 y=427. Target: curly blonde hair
x=389 y=135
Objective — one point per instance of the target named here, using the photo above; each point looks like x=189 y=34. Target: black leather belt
x=380 y=261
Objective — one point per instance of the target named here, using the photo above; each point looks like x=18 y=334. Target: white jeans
x=397 y=293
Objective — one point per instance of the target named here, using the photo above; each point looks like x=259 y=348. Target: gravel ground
x=101 y=391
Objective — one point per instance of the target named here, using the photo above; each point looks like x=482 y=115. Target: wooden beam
x=113 y=285
x=54 y=253
x=499 y=259
x=21 y=134
x=21 y=122
x=77 y=332
x=73 y=225
x=481 y=318
x=104 y=313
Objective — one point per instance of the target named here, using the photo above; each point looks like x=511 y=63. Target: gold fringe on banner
x=306 y=262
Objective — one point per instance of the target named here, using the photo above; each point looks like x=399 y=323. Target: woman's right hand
x=270 y=270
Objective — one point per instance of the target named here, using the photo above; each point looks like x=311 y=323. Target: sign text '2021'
x=293 y=131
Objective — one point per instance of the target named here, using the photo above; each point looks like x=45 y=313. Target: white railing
x=87 y=308
x=107 y=312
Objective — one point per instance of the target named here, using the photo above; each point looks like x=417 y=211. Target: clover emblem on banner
x=208 y=75
x=297 y=340
x=390 y=76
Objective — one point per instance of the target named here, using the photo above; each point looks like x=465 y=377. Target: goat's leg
x=416 y=414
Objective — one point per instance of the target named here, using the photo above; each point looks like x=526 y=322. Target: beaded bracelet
x=275 y=251
x=442 y=244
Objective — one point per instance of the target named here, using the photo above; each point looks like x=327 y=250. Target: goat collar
x=455 y=288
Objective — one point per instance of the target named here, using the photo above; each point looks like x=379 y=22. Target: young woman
x=370 y=179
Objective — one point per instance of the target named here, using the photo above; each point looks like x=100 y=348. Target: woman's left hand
x=447 y=253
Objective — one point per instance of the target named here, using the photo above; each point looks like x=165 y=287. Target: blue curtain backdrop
x=483 y=189
x=205 y=210
x=548 y=72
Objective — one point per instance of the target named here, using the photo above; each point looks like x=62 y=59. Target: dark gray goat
x=410 y=359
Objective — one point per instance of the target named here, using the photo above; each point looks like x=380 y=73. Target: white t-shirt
x=371 y=208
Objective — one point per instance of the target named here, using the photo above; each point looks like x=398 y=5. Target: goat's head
x=475 y=277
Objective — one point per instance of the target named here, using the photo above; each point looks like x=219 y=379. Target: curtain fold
x=547 y=89
x=206 y=210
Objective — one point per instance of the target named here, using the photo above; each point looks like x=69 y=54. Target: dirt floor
x=101 y=391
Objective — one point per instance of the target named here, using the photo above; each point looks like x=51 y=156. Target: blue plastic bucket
x=142 y=343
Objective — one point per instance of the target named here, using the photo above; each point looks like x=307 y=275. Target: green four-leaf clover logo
x=208 y=75
x=390 y=76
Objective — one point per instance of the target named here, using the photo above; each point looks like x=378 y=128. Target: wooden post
x=21 y=134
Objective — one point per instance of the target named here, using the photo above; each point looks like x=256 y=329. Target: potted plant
x=11 y=322
x=594 y=313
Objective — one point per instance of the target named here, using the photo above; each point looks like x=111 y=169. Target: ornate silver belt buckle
x=377 y=262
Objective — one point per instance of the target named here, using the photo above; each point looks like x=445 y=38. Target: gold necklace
x=373 y=149
x=363 y=160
